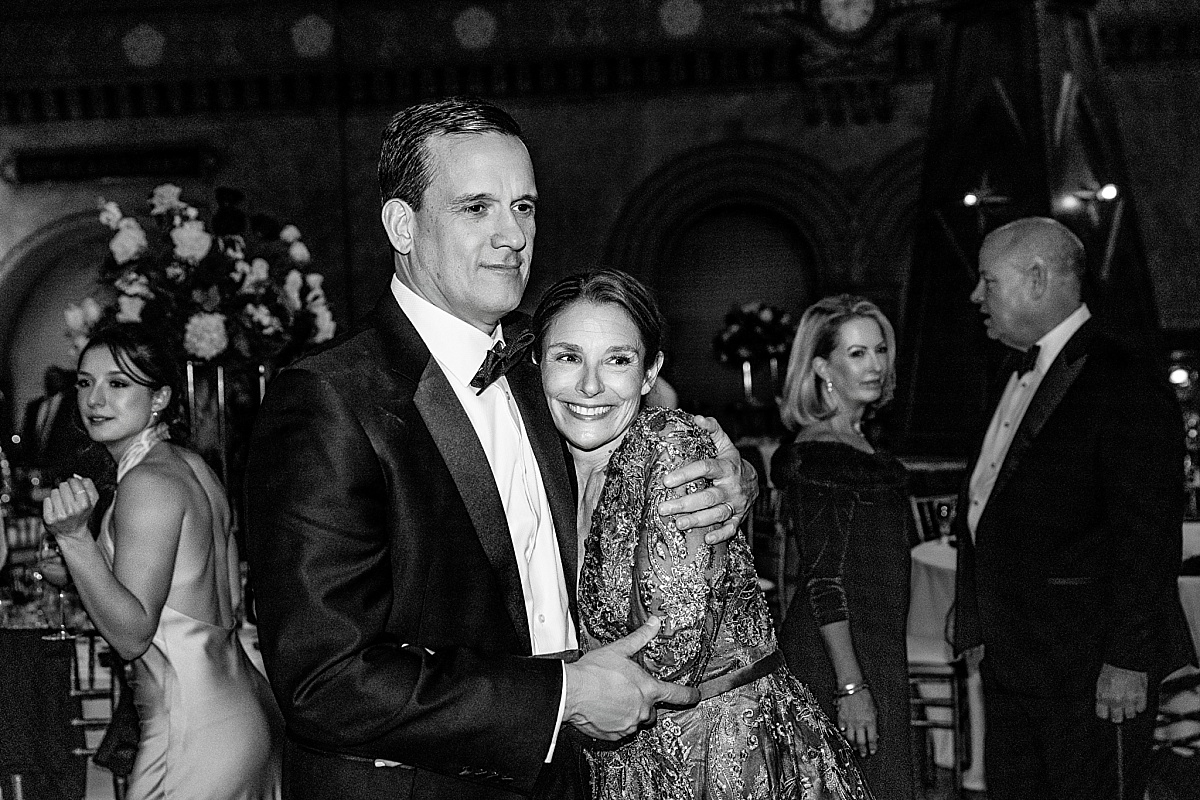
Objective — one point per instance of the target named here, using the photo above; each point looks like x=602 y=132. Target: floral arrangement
x=754 y=332
x=234 y=291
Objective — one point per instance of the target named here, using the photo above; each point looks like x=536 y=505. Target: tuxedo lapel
x=460 y=449
x=525 y=382
x=1050 y=392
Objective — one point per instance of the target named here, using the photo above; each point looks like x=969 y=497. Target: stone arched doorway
x=728 y=224
x=52 y=267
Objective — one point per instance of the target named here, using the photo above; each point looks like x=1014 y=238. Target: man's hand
x=609 y=696
x=726 y=502
x=1120 y=693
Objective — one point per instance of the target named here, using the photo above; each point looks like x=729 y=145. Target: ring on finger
x=731 y=511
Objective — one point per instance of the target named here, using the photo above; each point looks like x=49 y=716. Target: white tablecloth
x=932 y=594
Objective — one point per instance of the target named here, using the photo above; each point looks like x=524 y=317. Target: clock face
x=847 y=17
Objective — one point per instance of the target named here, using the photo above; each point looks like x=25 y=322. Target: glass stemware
x=54 y=572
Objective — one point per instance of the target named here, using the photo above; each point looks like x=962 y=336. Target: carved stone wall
x=286 y=101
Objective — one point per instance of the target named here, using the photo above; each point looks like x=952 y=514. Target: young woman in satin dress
x=161 y=583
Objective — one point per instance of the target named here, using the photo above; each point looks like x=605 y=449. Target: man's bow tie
x=499 y=360
x=1028 y=360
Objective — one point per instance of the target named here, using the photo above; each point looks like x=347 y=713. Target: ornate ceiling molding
x=584 y=54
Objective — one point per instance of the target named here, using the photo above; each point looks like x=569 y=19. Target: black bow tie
x=499 y=360
x=1028 y=360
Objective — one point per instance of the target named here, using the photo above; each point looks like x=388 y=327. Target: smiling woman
x=597 y=337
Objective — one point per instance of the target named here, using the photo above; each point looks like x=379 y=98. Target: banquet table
x=931 y=596
x=933 y=568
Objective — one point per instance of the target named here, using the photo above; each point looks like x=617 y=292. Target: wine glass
x=54 y=572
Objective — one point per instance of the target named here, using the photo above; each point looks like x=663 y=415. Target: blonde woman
x=844 y=632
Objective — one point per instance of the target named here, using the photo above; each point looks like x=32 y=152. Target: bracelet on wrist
x=848 y=689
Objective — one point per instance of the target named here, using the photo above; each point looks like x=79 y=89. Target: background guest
x=1070 y=542
x=162 y=582
x=844 y=632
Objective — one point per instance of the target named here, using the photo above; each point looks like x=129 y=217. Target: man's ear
x=1039 y=278
x=398 y=222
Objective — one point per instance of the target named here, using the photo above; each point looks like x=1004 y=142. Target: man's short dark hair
x=404 y=170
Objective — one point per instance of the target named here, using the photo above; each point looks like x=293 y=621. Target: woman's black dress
x=849 y=517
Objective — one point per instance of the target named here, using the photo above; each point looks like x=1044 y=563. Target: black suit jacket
x=1075 y=558
x=390 y=609
x=67 y=446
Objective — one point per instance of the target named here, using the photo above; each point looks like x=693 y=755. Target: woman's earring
x=829 y=386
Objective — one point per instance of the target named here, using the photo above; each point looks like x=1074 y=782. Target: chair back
x=933 y=516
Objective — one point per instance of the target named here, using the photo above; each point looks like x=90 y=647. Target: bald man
x=1069 y=531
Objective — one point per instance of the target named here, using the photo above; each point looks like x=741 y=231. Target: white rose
x=265 y=319
x=192 y=242
x=165 y=199
x=290 y=233
x=299 y=252
x=110 y=214
x=205 y=335
x=91 y=310
x=131 y=308
x=74 y=317
x=260 y=270
x=291 y=289
x=129 y=242
x=325 y=326
x=133 y=284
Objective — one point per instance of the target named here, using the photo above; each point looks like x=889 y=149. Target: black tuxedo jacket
x=1075 y=558
x=390 y=609
x=67 y=445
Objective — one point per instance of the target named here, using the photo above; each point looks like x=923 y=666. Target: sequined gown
x=764 y=739
x=209 y=725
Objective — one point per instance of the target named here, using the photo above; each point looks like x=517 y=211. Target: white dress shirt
x=1011 y=410
x=459 y=349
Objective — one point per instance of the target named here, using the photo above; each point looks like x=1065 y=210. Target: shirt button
x=541 y=617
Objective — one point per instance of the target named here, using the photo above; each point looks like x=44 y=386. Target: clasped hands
x=723 y=504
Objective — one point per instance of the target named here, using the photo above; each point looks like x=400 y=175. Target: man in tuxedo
x=1069 y=535
x=411 y=520
x=51 y=438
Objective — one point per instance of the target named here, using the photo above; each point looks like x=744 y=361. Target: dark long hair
x=149 y=361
